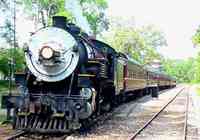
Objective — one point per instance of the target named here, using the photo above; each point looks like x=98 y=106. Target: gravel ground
x=127 y=118
x=5 y=130
x=169 y=125
x=194 y=115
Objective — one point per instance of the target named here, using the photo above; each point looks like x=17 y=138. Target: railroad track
x=156 y=115
x=17 y=134
x=23 y=135
x=186 y=116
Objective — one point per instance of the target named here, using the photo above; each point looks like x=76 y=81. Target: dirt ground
x=5 y=130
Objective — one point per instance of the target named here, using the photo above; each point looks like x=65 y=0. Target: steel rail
x=186 y=116
x=16 y=135
x=149 y=121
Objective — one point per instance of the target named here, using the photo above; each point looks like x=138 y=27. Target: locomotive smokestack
x=59 y=21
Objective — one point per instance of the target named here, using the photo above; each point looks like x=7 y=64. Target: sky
x=178 y=19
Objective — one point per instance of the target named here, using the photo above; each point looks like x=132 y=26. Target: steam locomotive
x=72 y=77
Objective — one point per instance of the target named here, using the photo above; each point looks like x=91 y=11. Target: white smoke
x=74 y=7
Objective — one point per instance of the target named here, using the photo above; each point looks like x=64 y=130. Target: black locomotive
x=72 y=77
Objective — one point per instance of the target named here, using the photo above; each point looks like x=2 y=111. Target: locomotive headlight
x=47 y=52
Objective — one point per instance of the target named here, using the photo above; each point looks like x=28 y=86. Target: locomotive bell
x=52 y=54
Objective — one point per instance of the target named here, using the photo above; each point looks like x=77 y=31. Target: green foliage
x=65 y=14
x=196 y=69
x=198 y=90
x=6 y=28
x=100 y=3
x=4 y=85
x=19 y=59
x=182 y=70
x=154 y=36
x=93 y=10
x=131 y=42
x=7 y=32
x=2 y=119
x=5 y=60
x=45 y=9
x=196 y=37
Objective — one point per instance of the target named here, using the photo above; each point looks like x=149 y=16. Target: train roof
x=151 y=69
x=160 y=73
x=129 y=58
x=133 y=61
x=147 y=68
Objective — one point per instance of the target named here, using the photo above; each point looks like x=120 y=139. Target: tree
x=42 y=10
x=182 y=70
x=131 y=42
x=196 y=37
x=154 y=37
x=93 y=10
x=196 y=69
x=7 y=27
x=5 y=60
x=7 y=32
